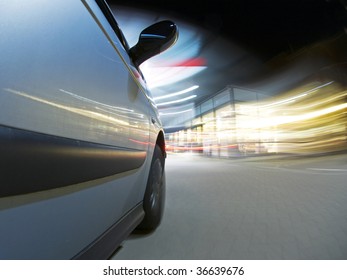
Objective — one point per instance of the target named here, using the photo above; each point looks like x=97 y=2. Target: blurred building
x=304 y=112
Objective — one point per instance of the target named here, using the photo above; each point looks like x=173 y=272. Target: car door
x=74 y=128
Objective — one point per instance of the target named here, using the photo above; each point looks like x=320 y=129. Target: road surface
x=255 y=208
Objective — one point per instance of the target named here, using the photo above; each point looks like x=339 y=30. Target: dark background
x=266 y=27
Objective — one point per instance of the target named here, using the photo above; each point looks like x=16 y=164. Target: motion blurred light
x=177 y=100
x=176 y=93
x=174 y=113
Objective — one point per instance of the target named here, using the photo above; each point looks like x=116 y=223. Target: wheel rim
x=156 y=185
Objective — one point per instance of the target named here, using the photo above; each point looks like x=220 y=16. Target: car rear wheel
x=154 y=198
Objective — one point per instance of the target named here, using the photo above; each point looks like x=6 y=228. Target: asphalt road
x=255 y=208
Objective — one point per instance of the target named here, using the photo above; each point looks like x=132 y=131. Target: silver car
x=82 y=148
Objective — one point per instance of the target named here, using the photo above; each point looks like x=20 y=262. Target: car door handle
x=153 y=120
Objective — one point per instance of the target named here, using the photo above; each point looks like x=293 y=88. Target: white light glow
x=162 y=76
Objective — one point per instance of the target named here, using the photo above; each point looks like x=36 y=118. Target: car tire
x=154 y=199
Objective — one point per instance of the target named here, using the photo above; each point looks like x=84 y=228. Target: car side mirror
x=154 y=40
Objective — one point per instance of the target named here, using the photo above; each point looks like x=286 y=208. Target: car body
x=82 y=146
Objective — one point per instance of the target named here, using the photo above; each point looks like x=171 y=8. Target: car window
x=112 y=21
